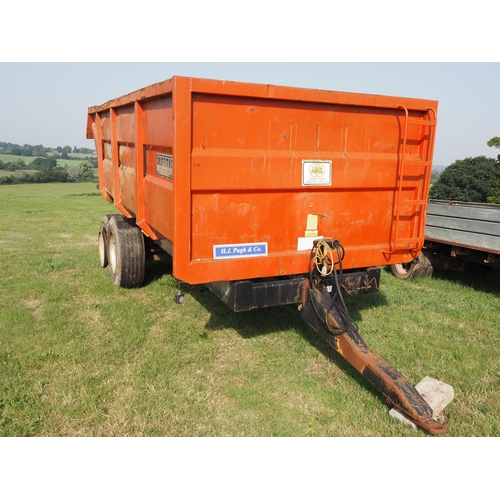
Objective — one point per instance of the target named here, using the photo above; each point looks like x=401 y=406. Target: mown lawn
x=79 y=357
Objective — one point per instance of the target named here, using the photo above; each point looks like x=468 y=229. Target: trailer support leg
x=325 y=317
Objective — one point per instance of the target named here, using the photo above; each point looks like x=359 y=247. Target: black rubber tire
x=126 y=253
x=424 y=265
x=403 y=271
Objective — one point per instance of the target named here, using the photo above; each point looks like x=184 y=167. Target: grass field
x=79 y=357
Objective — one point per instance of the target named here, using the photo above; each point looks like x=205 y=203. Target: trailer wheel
x=403 y=271
x=424 y=266
x=126 y=253
x=415 y=269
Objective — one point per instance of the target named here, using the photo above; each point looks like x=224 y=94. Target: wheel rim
x=102 y=249
x=112 y=253
x=402 y=268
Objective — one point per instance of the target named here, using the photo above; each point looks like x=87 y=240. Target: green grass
x=79 y=357
x=8 y=158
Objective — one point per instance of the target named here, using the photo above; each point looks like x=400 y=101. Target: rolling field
x=77 y=158
x=79 y=357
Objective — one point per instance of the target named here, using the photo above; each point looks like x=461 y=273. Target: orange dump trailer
x=236 y=180
x=269 y=195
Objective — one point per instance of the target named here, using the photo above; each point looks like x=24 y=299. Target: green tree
x=19 y=164
x=44 y=162
x=466 y=180
x=87 y=173
x=494 y=193
x=83 y=172
x=51 y=174
x=27 y=150
x=8 y=179
x=494 y=142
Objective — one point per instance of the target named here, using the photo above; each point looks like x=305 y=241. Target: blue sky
x=46 y=103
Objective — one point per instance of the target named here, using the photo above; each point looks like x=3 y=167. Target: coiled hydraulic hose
x=323 y=265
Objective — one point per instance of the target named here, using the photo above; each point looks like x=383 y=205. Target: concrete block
x=437 y=395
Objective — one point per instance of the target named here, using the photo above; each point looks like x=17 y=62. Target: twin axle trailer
x=270 y=195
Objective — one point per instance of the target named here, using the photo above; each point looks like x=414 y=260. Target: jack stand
x=179 y=297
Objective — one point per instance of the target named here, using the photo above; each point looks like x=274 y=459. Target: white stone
x=436 y=394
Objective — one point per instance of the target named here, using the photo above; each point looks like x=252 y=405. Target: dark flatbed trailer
x=457 y=235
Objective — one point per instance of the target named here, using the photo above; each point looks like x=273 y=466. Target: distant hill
x=439 y=167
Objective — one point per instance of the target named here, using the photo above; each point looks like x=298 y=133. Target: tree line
x=46 y=170
x=45 y=166
x=471 y=179
x=40 y=150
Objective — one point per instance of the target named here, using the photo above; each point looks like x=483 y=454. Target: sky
x=59 y=65
x=47 y=102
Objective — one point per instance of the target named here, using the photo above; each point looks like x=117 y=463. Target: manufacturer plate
x=316 y=173
x=164 y=166
x=240 y=250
